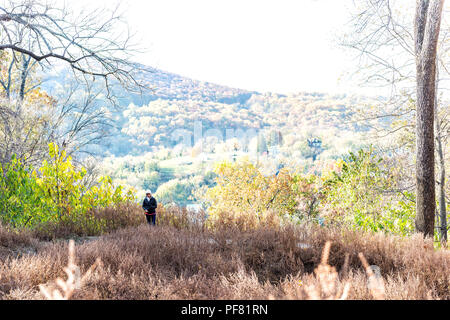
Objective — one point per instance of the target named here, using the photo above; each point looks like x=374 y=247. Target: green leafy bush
x=54 y=193
x=362 y=195
x=20 y=195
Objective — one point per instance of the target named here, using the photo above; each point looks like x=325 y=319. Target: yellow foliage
x=242 y=188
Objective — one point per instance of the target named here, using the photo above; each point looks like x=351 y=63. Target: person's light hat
x=148 y=191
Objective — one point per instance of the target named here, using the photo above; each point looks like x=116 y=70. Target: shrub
x=359 y=192
x=95 y=222
x=20 y=196
x=241 y=187
x=360 y=195
x=54 y=193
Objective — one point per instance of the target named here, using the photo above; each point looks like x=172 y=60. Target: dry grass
x=93 y=223
x=73 y=282
x=179 y=260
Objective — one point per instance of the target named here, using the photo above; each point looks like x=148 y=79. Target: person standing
x=149 y=205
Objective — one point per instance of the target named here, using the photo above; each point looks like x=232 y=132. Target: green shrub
x=361 y=195
x=54 y=193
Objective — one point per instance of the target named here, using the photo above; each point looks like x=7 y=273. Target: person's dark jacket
x=150 y=205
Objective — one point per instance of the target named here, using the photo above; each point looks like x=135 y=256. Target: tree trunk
x=426 y=33
x=441 y=186
x=441 y=169
x=23 y=80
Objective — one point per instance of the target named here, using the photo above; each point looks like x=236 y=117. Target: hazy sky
x=277 y=45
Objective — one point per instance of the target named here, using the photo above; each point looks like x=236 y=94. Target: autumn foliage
x=357 y=192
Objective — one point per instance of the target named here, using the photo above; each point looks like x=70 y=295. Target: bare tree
x=427 y=24
x=89 y=42
x=383 y=34
x=23 y=135
x=95 y=44
x=76 y=119
x=13 y=71
x=80 y=119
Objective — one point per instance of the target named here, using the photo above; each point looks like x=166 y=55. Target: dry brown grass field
x=178 y=259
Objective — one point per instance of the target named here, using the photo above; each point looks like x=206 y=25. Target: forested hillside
x=186 y=126
x=146 y=121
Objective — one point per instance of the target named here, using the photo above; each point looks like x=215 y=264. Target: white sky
x=275 y=45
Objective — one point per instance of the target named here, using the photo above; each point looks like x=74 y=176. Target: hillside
x=147 y=122
x=176 y=132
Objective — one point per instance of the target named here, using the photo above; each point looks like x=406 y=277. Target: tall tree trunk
x=426 y=34
x=441 y=167
x=441 y=185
